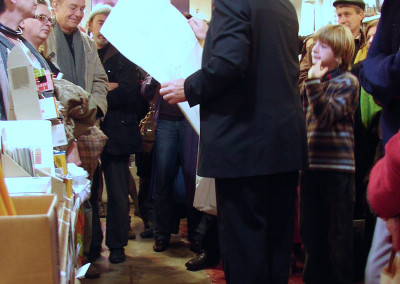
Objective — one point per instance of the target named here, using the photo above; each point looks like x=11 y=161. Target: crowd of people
x=270 y=124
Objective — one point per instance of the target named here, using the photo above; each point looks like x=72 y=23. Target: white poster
x=156 y=36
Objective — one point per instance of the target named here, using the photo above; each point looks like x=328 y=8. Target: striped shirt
x=329 y=104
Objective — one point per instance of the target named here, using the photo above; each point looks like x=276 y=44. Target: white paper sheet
x=156 y=36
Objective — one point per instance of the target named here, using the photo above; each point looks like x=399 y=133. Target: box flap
x=22 y=86
x=11 y=168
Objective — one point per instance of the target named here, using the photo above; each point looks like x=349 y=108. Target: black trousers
x=97 y=233
x=116 y=175
x=326 y=226
x=255 y=224
x=144 y=162
x=207 y=233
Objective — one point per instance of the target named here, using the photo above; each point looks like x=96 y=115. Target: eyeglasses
x=44 y=19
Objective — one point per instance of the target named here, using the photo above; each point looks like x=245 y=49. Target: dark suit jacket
x=121 y=123
x=252 y=121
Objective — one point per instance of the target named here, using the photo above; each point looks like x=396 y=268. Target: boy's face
x=324 y=53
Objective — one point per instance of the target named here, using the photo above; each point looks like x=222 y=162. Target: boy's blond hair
x=340 y=39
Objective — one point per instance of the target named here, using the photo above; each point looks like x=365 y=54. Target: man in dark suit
x=252 y=138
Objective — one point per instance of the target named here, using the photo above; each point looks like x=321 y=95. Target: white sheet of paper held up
x=154 y=35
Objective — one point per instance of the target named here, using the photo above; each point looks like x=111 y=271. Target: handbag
x=205 y=199
x=148 y=127
x=391 y=273
x=90 y=147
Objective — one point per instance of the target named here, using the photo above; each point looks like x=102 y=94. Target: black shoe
x=94 y=254
x=147 y=234
x=201 y=261
x=160 y=245
x=92 y=272
x=117 y=255
x=131 y=235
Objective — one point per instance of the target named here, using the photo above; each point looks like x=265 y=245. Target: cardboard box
x=28 y=242
x=28 y=185
x=12 y=169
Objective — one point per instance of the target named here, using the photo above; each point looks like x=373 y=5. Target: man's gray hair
x=103 y=9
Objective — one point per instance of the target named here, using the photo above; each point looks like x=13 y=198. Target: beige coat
x=95 y=76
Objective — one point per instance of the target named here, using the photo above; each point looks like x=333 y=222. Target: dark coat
x=252 y=122
x=121 y=123
x=380 y=71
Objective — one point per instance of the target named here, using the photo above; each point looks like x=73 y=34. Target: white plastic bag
x=205 y=199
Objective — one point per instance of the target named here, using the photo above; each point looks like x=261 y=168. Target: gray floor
x=143 y=265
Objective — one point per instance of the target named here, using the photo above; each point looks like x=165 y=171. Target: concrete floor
x=143 y=265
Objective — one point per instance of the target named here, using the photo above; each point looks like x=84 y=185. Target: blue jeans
x=167 y=158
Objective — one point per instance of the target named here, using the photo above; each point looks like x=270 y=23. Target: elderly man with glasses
x=12 y=12
x=75 y=53
x=76 y=56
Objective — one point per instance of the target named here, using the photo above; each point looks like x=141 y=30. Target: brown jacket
x=95 y=76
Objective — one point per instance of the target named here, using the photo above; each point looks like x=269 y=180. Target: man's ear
x=362 y=15
x=22 y=24
x=55 y=5
x=90 y=26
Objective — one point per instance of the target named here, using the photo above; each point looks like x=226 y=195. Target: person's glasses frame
x=44 y=19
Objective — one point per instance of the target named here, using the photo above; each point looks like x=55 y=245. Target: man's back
x=254 y=124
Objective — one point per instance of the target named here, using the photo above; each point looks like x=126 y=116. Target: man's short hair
x=103 y=9
x=340 y=39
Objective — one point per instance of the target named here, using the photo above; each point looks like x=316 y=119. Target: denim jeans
x=167 y=158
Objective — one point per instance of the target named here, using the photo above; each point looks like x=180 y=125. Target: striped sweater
x=329 y=104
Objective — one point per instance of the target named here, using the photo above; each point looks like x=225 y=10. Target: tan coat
x=95 y=76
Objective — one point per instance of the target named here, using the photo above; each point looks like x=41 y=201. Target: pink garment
x=384 y=181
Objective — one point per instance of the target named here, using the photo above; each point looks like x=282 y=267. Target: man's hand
x=199 y=27
x=316 y=71
x=173 y=91
x=393 y=226
x=112 y=86
x=73 y=154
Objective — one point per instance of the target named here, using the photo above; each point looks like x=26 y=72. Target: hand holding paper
x=173 y=91
x=199 y=28
x=168 y=47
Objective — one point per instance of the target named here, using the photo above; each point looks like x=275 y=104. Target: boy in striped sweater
x=330 y=97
